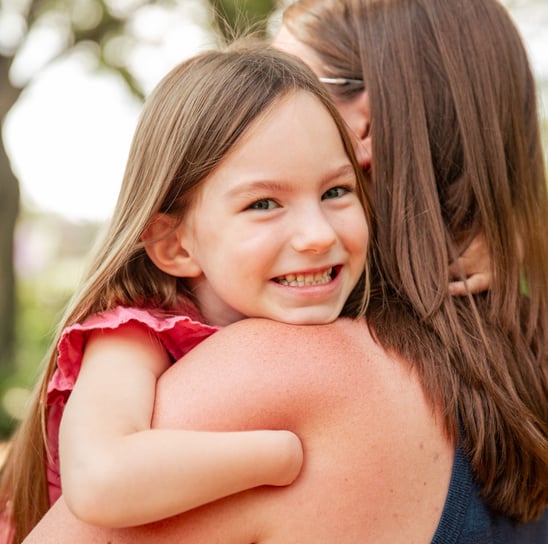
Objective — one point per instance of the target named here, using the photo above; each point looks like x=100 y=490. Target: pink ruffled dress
x=178 y=335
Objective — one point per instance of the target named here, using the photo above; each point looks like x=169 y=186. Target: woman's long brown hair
x=456 y=153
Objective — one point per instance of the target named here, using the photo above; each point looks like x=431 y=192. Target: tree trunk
x=9 y=207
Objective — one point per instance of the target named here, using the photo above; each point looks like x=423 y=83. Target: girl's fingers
x=476 y=283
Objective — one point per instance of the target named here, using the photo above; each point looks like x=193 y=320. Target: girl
x=241 y=197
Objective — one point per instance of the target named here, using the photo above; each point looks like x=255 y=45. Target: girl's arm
x=475 y=263
x=116 y=471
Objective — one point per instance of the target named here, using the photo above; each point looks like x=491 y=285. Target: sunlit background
x=68 y=135
x=55 y=135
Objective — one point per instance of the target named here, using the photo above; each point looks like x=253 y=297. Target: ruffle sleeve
x=178 y=334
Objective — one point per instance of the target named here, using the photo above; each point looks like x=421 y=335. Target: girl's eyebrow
x=343 y=170
x=257 y=186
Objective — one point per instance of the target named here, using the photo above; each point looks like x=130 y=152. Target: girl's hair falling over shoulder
x=456 y=151
x=192 y=119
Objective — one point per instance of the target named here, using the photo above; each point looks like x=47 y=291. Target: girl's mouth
x=308 y=278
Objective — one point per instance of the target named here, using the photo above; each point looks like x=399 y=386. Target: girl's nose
x=313 y=232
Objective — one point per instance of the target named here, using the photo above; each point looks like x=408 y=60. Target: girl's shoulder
x=177 y=333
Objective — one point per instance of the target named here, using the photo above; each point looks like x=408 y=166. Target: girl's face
x=355 y=111
x=278 y=230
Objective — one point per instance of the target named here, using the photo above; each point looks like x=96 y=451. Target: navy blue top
x=467 y=520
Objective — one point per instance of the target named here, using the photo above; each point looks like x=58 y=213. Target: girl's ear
x=166 y=246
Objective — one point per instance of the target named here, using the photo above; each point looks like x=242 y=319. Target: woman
x=455 y=143
x=432 y=77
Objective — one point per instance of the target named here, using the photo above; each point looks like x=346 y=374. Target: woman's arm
x=117 y=472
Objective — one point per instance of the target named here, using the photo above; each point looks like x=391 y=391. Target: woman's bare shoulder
x=262 y=371
x=264 y=338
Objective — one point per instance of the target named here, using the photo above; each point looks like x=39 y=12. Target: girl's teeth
x=300 y=280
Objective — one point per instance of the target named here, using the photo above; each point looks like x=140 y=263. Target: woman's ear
x=363 y=115
x=357 y=116
x=165 y=244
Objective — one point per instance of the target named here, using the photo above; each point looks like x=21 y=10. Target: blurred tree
x=234 y=17
x=105 y=25
x=9 y=204
x=76 y=22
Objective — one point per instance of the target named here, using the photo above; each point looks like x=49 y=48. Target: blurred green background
x=42 y=251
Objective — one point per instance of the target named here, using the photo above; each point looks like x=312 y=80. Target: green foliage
x=52 y=254
x=38 y=312
x=237 y=17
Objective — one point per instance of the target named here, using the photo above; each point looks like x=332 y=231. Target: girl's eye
x=335 y=192
x=263 y=204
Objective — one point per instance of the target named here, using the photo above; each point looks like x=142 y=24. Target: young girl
x=241 y=197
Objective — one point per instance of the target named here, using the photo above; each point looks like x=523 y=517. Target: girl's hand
x=287 y=452
x=475 y=262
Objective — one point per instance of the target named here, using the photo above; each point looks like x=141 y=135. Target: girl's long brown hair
x=456 y=152
x=188 y=125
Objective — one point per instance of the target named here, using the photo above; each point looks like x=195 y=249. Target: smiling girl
x=241 y=197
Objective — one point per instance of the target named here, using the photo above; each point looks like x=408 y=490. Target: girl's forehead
x=297 y=133
x=293 y=108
